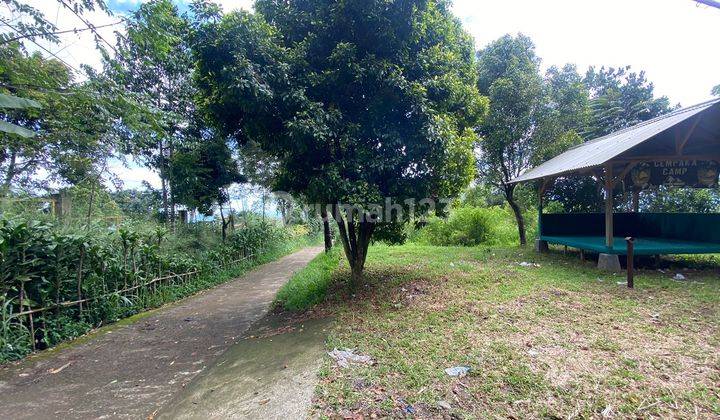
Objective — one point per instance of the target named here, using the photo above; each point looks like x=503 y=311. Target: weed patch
x=556 y=338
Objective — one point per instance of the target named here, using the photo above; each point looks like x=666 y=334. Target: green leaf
x=10 y=128
x=9 y=101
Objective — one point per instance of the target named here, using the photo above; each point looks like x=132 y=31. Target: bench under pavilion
x=677 y=150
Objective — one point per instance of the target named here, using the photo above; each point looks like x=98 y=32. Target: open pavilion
x=678 y=150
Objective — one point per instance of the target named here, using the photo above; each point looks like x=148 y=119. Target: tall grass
x=309 y=286
x=471 y=226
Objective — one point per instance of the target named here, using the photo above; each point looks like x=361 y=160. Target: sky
x=674 y=41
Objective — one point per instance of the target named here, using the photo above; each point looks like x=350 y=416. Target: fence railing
x=24 y=317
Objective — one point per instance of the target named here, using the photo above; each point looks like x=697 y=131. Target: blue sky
x=125 y=6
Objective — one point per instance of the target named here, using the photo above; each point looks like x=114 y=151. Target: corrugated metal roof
x=601 y=150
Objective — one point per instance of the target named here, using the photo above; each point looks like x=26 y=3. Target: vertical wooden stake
x=582 y=255
x=32 y=330
x=630 y=262
x=636 y=201
x=79 y=277
x=608 y=206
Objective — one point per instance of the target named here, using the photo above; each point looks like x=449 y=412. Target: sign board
x=690 y=173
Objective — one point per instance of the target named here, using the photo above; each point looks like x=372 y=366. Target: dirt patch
x=131 y=371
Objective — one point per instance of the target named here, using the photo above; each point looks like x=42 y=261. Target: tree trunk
x=355 y=237
x=172 y=192
x=222 y=222
x=9 y=174
x=79 y=278
x=166 y=209
x=509 y=196
x=90 y=204
x=326 y=229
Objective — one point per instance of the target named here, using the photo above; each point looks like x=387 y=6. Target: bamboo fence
x=168 y=279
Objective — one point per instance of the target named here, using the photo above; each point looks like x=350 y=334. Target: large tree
x=74 y=127
x=532 y=117
x=154 y=59
x=509 y=74
x=358 y=101
x=620 y=98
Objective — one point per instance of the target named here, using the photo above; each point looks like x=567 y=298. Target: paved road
x=269 y=375
x=132 y=371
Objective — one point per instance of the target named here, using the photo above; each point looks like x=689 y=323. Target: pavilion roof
x=597 y=152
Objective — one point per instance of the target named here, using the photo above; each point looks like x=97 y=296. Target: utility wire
x=41 y=47
x=74 y=30
x=711 y=3
x=88 y=24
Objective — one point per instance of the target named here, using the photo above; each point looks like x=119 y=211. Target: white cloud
x=133 y=174
x=674 y=41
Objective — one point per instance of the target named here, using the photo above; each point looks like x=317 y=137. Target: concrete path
x=132 y=371
x=269 y=375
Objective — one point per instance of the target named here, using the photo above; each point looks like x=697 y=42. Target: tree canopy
x=358 y=101
x=531 y=118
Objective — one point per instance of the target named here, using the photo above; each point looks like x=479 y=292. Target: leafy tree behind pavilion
x=531 y=117
x=357 y=100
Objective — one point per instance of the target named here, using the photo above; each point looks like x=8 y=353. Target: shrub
x=43 y=263
x=470 y=226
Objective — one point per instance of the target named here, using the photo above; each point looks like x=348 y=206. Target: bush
x=470 y=226
x=43 y=262
x=309 y=286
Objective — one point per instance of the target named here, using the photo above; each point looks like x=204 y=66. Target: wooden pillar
x=608 y=206
x=636 y=201
x=541 y=190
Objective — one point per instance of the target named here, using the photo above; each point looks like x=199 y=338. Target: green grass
x=309 y=286
x=559 y=340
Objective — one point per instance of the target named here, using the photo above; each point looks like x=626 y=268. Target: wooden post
x=636 y=201
x=608 y=206
x=79 y=277
x=630 y=261
x=541 y=190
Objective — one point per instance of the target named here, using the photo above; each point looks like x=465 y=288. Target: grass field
x=558 y=339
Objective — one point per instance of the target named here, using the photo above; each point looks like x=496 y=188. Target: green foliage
x=155 y=61
x=687 y=200
x=31 y=24
x=201 y=171
x=74 y=127
x=356 y=101
x=138 y=204
x=531 y=118
x=716 y=90
x=620 y=98
x=470 y=226
x=509 y=75
x=49 y=263
x=309 y=286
